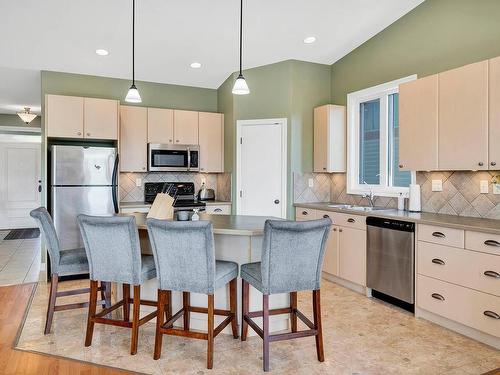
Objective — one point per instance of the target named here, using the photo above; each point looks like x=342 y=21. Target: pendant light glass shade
x=240 y=86
x=26 y=116
x=133 y=95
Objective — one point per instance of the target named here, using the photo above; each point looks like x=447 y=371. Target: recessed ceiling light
x=195 y=65
x=310 y=39
x=102 y=52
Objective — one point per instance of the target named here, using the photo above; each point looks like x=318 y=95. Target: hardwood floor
x=13 y=303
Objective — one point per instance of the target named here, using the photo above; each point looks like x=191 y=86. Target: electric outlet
x=496 y=188
x=484 y=186
x=437 y=185
x=138 y=182
x=311 y=182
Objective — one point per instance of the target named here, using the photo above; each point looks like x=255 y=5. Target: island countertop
x=235 y=225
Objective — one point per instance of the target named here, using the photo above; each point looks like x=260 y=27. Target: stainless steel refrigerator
x=83 y=181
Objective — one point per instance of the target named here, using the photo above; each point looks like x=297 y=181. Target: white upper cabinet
x=100 y=118
x=64 y=116
x=211 y=140
x=160 y=125
x=330 y=138
x=133 y=139
x=185 y=127
x=494 y=114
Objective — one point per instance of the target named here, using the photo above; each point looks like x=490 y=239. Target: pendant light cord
x=133 y=42
x=241 y=33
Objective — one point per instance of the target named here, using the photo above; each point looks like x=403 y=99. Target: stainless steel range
x=182 y=192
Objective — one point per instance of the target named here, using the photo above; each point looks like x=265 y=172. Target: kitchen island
x=237 y=239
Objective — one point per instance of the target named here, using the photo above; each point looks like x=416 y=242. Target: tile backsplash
x=129 y=192
x=460 y=196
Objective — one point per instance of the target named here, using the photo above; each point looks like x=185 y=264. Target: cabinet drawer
x=441 y=235
x=467 y=268
x=488 y=243
x=466 y=306
x=223 y=209
x=305 y=213
x=346 y=220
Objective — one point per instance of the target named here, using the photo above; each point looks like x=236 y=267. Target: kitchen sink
x=356 y=208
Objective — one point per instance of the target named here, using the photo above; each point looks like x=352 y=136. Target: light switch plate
x=437 y=185
x=496 y=188
x=138 y=182
x=484 y=186
x=311 y=182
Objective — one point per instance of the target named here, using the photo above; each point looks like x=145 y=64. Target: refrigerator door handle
x=114 y=180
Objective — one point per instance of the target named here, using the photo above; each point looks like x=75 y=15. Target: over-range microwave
x=165 y=157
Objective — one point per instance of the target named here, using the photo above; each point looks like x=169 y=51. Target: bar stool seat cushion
x=251 y=273
x=148 y=267
x=225 y=272
x=72 y=262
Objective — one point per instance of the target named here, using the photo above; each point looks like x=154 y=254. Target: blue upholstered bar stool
x=292 y=259
x=185 y=262
x=63 y=263
x=114 y=254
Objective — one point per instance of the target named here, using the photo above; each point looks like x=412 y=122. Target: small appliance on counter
x=414 y=204
x=205 y=194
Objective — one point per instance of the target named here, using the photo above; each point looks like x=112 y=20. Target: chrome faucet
x=370 y=196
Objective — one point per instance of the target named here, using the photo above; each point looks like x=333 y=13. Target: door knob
x=276 y=201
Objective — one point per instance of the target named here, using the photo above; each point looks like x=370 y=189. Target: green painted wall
x=289 y=89
x=15 y=120
x=435 y=36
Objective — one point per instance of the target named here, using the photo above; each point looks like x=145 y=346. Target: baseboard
x=345 y=283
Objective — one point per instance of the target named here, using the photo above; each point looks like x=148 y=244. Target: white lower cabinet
x=331 y=260
x=352 y=255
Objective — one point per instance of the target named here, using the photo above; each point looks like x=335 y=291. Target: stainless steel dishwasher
x=390 y=264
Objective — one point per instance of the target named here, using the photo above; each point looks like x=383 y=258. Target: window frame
x=354 y=100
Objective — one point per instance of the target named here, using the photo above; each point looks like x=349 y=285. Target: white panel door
x=19 y=184
x=261 y=169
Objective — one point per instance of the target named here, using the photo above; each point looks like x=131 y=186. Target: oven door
x=168 y=157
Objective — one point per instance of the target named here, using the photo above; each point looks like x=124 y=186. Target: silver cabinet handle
x=351 y=220
x=439 y=234
x=493 y=163
x=305 y=213
x=177 y=140
x=492 y=243
x=218 y=210
x=437 y=296
x=169 y=140
x=324 y=168
x=79 y=133
x=143 y=168
x=88 y=134
x=334 y=229
x=438 y=261
x=491 y=314
x=493 y=274
x=325 y=216
x=480 y=163
x=401 y=165
x=340 y=230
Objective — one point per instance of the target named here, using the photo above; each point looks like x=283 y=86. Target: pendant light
x=133 y=95
x=240 y=85
x=26 y=116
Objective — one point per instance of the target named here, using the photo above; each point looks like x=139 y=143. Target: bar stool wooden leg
x=91 y=313
x=317 y=325
x=232 y=304
x=265 y=331
x=126 y=302
x=135 y=319
x=159 y=322
x=168 y=308
x=107 y=294
x=52 y=303
x=245 y=295
x=293 y=306
x=210 y=335
x=185 y=304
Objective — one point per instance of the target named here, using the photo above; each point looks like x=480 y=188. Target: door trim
x=282 y=122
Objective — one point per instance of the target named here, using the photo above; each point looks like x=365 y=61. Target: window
x=373 y=141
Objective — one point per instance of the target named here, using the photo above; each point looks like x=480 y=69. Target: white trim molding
x=354 y=99
x=23 y=129
x=284 y=153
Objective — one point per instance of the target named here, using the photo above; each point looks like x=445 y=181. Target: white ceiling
x=63 y=35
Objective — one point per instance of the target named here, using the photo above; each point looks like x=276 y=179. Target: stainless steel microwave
x=164 y=157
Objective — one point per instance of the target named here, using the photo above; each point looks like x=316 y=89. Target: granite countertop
x=450 y=221
x=144 y=204
x=235 y=225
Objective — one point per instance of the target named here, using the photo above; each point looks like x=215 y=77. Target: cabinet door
x=100 y=118
x=331 y=261
x=352 y=255
x=463 y=118
x=321 y=139
x=133 y=139
x=211 y=138
x=160 y=125
x=418 y=124
x=64 y=116
x=494 y=114
x=186 y=127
